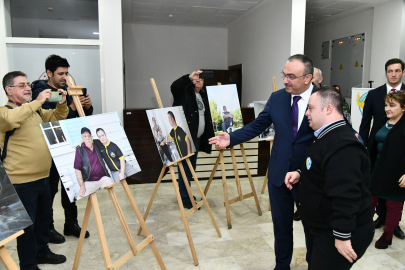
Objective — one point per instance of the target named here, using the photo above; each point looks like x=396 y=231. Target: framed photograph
x=90 y=152
x=13 y=216
x=224 y=107
x=269 y=132
x=171 y=133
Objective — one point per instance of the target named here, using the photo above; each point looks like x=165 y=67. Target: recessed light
x=50 y=9
x=170 y=15
x=96 y=33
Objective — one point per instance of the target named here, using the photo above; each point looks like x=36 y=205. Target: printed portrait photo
x=171 y=133
x=90 y=153
x=269 y=132
x=225 y=108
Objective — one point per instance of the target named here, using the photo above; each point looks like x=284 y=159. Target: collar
x=175 y=127
x=107 y=144
x=305 y=95
x=15 y=102
x=389 y=87
x=319 y=133
x=84 y=144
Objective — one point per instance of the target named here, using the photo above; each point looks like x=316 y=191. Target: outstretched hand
x=222 y=140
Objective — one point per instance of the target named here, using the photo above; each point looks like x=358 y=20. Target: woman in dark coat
x=387 y=152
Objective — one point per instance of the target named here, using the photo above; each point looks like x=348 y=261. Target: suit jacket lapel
x=304 y=126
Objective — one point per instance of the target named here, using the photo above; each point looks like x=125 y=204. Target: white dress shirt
x=389 y=87
x=302 y=104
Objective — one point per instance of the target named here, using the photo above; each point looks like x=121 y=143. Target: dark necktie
x=393 y=90
x=294 y=111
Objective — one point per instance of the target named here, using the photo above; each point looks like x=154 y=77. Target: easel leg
x=211 y=176
x=142 y=223
x=228 y=214
x=123 y=222
x=252 y=185
x=204 y=198
x=6 y=259
x=183 y=215
x=185 y=180
x=265 y=182
x=82 y=234
x=152 y=198
x=100 y=229
x=235 y=169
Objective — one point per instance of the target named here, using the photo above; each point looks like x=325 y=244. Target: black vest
x=86 y=168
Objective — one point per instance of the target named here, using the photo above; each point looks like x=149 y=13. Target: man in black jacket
x=374 y=109
x=334 y=199
x=188 y=92
x=57 y=70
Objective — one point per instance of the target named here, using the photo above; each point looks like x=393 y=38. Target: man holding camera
x=57 y=70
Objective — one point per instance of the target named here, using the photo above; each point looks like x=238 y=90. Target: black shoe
x=37 y=268
x=74 y=229
x=378 y=223
x=189 y=205
x=51 y=258
x=55 y=237
x=296 y=216
x=399 y=233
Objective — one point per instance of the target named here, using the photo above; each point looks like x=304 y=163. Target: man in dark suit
x=374 y=109
x=286 y=110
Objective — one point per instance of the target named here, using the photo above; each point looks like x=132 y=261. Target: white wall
x=387 y=29
x=165 y=53
x=351 y=25
x=260 y=40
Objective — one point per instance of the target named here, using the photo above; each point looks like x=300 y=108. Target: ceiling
x=214 y=13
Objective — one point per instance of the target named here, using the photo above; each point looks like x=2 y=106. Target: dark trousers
x=34 y=241
x=166 y=151
x=69 y=207
x=193 y=159
x=326 y=256
x=282 y=210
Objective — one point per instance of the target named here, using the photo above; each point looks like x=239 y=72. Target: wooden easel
x=241 y=196
x=92 y=203
x=195 y=208
x=5 y=257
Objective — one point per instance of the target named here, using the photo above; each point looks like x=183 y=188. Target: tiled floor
x=248 y=245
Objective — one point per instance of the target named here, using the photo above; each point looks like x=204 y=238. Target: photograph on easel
x=90 y=152
x=171 y=133
x=269 y=132
x=225 y=108
x=13 y=216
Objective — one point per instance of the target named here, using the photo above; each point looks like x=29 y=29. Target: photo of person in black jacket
x=333 y=196
x=188 y=91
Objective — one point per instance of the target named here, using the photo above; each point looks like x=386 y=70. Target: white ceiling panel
x=240 y=5
x=232 y=12
x=214 y=3
x=346 y=5
x=175 y=9
x=146 y=7
x=202 y=10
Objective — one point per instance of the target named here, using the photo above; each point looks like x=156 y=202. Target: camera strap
x=8 y=134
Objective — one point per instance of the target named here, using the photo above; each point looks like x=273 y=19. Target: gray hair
x=309 y=65
x=319 y=72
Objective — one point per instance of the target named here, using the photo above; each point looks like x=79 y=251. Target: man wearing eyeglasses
x=374 y=110
x=27 y=164
x=57 y=70
x=286 y=110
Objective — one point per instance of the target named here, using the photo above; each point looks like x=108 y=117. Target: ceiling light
x=170 y=15
x=50 y=9
x=96 y=33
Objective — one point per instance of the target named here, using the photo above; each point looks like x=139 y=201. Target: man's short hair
x=309 y=65
x=223 y=107
x=97 y=130
x=172 y=115
x=8 y=79
x=330 y=95
x=394 y=61
x=54 y=61
x=84 y=129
